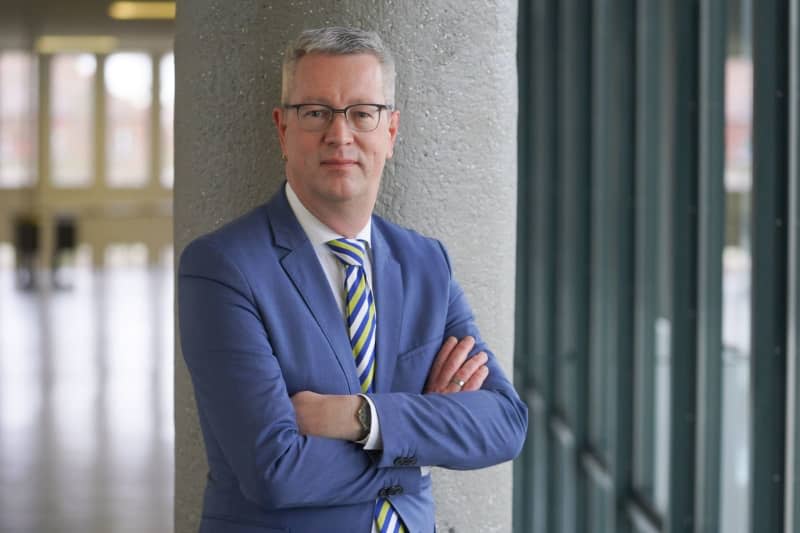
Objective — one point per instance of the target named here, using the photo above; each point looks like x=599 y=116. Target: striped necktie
x=361 y=325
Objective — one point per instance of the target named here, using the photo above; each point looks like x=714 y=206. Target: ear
x=279 y=118
x=394 y=124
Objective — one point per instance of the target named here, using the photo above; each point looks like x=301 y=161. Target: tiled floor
x=86 y=419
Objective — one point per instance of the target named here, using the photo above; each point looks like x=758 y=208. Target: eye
x=362 y=113
x=314 y=113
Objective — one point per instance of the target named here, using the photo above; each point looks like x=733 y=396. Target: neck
x=346 y=221
x=347 y=217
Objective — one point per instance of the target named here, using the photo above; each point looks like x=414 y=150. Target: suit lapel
x=303 y=268
x=387 y=283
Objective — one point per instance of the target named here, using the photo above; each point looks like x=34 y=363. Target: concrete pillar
x=453 y=175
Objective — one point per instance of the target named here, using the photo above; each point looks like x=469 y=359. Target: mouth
x=339 y=163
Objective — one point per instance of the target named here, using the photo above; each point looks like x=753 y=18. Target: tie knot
x=348 y=251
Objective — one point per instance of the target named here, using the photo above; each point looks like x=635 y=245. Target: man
x=334 y=357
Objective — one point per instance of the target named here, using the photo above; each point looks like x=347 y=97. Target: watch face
x=364 y=416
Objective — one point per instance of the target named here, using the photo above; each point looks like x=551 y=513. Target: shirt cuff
x=373 y=441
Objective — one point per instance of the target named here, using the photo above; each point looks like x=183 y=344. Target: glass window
x=167 y=100
x=71 y=116
x=736 y=296
x=129 y=85
x=18 y=106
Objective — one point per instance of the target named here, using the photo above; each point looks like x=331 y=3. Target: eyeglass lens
x=317 y=117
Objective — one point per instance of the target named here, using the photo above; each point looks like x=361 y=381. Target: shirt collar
x=317 y=232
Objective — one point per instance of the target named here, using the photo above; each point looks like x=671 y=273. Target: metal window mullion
x=544 y=276
x=599 y=235
x=711 y=236
x=612 y=257
x=683 y=273
x=524 y=464
x=595 y=463
x=792 y=521
x=524 y=121
x=648 y=163
x=769 y=273
x=622 y=165
x=574 y=152
x=44 y=184
x=544 y=173
x=44 y=151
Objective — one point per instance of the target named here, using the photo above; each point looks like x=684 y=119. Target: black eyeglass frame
x=343 y=111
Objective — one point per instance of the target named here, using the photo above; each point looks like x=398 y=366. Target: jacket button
x=412 y=460
x=398 y=461
x=397 y=489
x=383 y=493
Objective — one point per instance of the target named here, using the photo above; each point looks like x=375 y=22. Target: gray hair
x=338 y=41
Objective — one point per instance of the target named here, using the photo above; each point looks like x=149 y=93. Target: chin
x=346 y=182
x=345 y=194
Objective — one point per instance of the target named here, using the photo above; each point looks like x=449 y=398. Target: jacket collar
x=301 y=265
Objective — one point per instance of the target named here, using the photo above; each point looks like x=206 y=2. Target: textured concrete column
x=453 y=175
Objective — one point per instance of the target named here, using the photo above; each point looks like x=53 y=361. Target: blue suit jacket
x=258 y=323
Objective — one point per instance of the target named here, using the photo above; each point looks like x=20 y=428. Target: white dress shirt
x=319 y=234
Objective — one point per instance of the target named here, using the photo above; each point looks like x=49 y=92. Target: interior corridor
x=86 y=417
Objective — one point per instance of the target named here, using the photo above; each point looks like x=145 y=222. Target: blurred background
x=657 y=265
x=86 y=276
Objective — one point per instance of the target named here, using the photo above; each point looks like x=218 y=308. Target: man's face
x=336 y=168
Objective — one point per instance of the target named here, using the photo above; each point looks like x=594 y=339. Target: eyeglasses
x=317 y=117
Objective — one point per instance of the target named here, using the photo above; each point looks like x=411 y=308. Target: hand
x=451 y=365
x=327 y=415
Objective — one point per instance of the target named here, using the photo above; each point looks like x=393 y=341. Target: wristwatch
x=364 y=417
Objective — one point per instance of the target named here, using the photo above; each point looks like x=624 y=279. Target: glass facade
x=71 y=121
x=18 y=115
x=654 y=266
x=129 y=87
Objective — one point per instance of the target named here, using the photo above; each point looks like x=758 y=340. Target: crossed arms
x=257 y=434
x=334 y=416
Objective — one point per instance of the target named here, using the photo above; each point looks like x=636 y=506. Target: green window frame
x=621 y=231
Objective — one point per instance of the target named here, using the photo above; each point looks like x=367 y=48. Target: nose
x=338 y=131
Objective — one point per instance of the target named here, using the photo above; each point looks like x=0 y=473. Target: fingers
x=438 y=363
x=452 y=361
x=452 y=369
x=466 y=372
x=476 y=381
x=457 y=357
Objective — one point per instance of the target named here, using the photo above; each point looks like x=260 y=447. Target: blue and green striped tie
x=361 y=320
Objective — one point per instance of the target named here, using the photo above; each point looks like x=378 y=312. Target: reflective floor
x=86 y=419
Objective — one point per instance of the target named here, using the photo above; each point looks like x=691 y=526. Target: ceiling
x=23 y=21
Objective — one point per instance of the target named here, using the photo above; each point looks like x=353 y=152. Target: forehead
x=338 y=79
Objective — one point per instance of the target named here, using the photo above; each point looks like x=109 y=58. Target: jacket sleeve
x=464 y=430
x=243 y=403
